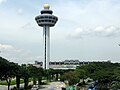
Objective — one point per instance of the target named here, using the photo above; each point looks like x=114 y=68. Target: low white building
x=67 y=64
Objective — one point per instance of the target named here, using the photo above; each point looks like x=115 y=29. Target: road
x=52 y=86
x=4 y=87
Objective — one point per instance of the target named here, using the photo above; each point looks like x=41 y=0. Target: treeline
x=9 y=70
x=106 y=75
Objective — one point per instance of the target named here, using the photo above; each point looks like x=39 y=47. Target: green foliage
x=104 y=72
x=71 y=77
x=115 y=86
x=36 y=74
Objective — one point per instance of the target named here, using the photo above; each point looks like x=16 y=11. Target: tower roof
x=46 y=6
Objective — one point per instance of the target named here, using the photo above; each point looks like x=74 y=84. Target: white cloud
x=109 y=31
x=2 y=1
x=77 y=33
x=17 y=55
x=3 y=46
x=99 y=31
x=9 y=49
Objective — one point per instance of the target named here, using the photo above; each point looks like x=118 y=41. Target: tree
x=25 y=75
x=7 y=70
x=3 y=66
x=33 y=73
x=18 y=75
x=71 y=77
x=36 y=73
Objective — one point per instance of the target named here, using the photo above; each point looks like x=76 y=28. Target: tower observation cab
x=46 y=20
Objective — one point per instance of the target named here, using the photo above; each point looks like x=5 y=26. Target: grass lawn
x=13 y=82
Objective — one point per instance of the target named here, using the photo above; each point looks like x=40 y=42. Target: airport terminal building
x=66 y=64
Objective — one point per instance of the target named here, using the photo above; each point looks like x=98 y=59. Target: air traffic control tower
x=46 y=20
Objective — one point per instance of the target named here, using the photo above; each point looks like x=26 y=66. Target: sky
x=87 y=30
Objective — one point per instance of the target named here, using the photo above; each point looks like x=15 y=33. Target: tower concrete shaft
x=46 y=47
x=46 y=20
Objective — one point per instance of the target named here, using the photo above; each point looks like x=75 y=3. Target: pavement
x=4 y=87
x=51 y=86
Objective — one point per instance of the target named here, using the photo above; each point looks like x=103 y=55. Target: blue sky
x=86 y=30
